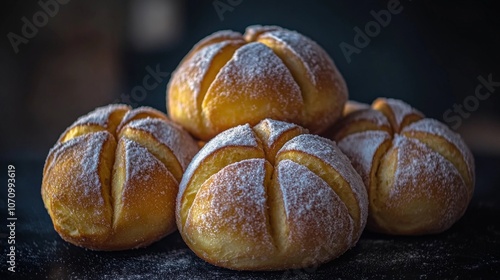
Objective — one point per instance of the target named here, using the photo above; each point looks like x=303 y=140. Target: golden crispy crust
x=270 y=197
x=418 y=173
x=111 y=180
x=229 y=79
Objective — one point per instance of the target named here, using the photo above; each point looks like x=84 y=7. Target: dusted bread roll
x=270 y=197
x=418 y=173
x=111 y=180
x=229 y=79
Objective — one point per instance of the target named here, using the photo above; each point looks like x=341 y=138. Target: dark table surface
x=469 y=250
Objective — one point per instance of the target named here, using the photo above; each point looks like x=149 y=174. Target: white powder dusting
x=90 y=160
x=101 y=115
x=435 y=127
x=400 y=109
x=373 y=116
x=304 y=48
x=138 y=113
x=361 y=148
x=277 y=128
x=253 y=31
x=241 y=135
x=424 y=173
x=328 y=152
x=139 y=161
x=254 y=64
x=84 y=178
x=310 y=203
x=59 y=150
x=170 y=135
x=193 y=71
x=237 y=202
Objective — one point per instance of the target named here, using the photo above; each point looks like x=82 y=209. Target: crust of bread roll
x=353 y=106
x=419 y=174
x=229 y=79
x=111 y=180
x=270 y=197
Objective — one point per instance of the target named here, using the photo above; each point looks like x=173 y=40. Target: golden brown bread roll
x=229 y=79
x=352 y=106
x=418 y=173
x=111 y=180
x=270 y=197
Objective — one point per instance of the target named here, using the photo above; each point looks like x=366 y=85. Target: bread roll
x=111 y=180
x=229 y=79
x=352 y=106
x=270 y=197
x=419 y=174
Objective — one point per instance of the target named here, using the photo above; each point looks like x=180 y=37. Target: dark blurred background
x=60 y=60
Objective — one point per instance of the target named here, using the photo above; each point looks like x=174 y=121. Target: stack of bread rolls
x=262 y=193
